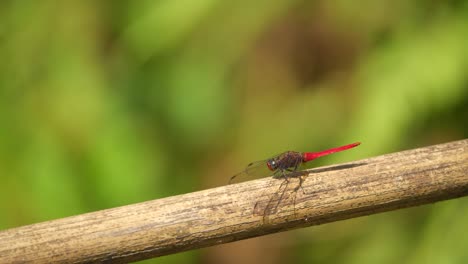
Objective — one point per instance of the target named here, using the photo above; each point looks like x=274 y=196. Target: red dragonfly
x=287 y=162
x=282 y=165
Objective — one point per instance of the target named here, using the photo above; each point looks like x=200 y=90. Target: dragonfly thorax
x=284 y=161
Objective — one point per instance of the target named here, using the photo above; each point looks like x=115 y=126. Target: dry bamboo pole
x=225 y=214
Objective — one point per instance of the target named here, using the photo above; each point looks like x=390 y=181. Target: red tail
x=308 y=156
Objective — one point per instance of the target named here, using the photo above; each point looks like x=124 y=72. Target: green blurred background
x=108 y=103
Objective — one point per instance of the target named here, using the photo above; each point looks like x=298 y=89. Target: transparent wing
x=254 y=170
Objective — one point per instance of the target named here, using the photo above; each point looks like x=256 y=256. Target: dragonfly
x=284 y=165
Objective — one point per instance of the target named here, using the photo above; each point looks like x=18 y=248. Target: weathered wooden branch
x=226 y=214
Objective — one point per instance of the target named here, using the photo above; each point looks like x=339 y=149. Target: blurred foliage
x=110 y=103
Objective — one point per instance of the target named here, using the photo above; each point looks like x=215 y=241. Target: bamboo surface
x=249 y=209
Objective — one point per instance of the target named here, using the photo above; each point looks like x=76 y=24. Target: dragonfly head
x=272 y=164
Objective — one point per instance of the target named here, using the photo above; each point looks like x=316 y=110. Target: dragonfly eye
x=272 y=165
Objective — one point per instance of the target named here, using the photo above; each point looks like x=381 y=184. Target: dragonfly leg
x=283 y=174
x=293 y=169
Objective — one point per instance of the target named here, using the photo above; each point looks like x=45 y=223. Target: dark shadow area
x=273 y=203
x=338 y=167
x=318 y=170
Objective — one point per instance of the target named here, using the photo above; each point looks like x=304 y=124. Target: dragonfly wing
x=253 y=171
